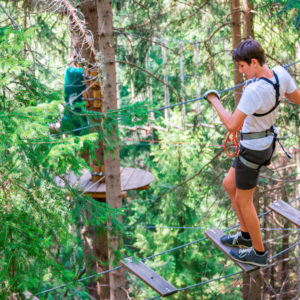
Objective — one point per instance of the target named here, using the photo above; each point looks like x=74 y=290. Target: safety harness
x=262 y=134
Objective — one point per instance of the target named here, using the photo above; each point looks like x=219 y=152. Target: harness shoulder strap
x=276 y=87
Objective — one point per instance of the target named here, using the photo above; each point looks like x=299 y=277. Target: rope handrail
x=203 y=228
x=182 y=103
x=220 y=92
x=164 y=252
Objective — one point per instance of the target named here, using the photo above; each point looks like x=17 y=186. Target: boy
x=257 y=109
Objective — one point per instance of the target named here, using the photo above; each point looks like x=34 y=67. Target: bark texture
x=248 y=27
x=112 y=160
x=95 y=244
x=235 y=11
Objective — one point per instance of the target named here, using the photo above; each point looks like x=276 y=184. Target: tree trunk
x=284 y=274
x=88 y=9
x=149 y=82
x=112 y=160
x=235 y=11
x=94 y=241
x=166 y=80
x=196 y=56
x=183 y=110
x=226 y=48
x=95 y=245
x=132 y=89
x=248 y=28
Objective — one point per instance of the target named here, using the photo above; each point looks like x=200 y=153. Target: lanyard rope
x=232 y=137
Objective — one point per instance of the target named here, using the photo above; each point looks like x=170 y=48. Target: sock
x=260 y=252
x=246 y=235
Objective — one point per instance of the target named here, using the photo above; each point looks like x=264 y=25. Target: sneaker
x=249 y=256
x=236 y=240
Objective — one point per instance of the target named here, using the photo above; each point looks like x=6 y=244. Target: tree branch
x=150 y=74
x=16 y=26
x=191 y=178
x=219 y=28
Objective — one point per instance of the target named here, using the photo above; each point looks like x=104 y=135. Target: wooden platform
x=214 y=235
x=286 y=211
x=147 y=275
x=131 y=179
x=27 y=295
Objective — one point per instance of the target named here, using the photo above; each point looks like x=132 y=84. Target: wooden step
x=156 y=282
x=214 y=235
x=287 y=211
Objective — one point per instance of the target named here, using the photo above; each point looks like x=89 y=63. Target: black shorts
x=246 y=178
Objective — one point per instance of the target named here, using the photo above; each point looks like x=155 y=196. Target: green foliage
x=175 y=156
x=41 y=218
x=287 y=6
x=178 y=199
x=40 y=242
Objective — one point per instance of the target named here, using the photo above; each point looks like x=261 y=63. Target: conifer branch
x=189 y=179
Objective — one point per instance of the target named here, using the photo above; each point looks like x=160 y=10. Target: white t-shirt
x=259 y=97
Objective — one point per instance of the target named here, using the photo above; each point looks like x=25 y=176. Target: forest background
x=166 y=52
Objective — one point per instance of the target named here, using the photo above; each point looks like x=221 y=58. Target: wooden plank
x=147 y=275
x=286 y=211
x=214 y=235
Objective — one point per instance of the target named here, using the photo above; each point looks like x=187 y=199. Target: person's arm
x=232 y=122
x=293 y=97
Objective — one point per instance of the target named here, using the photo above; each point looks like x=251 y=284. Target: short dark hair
x=247 y=50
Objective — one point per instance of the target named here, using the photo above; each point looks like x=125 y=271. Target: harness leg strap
x=248 y=163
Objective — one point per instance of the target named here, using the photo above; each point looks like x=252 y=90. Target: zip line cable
x=201 y=283
x=167 y=251
x=161 y=108
x=176 y=104
x=220 y=92
x=204 y=238
x=188 y=287
x=203 y=228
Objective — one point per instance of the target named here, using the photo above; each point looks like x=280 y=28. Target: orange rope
x=234 y=140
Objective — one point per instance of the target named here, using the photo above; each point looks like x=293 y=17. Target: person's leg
x=244 y=200
x=230 y=188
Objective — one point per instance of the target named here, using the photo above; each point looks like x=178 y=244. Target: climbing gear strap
x=250 y=136
x=255 y=166
x=277 y=90
x=259 y=135
x=248 y=163
x=256 y=135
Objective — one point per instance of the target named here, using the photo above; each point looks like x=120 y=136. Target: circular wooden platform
x=131 y=179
